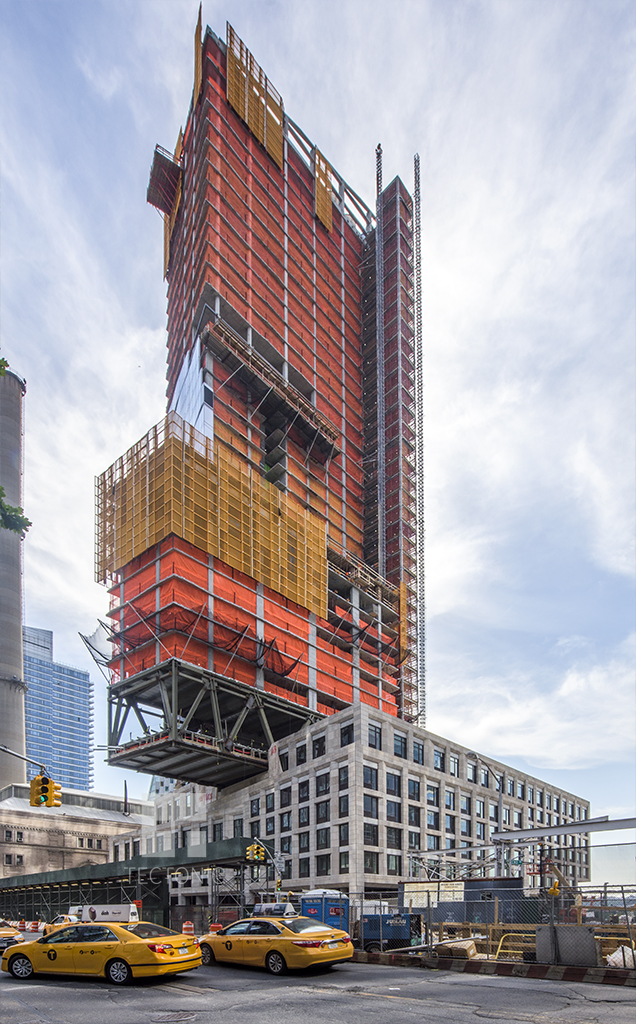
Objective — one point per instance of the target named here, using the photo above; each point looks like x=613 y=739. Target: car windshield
x=147 y=930
x=304 y=924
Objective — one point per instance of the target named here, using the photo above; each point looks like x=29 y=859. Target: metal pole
x=629 y=927
x=500 y=848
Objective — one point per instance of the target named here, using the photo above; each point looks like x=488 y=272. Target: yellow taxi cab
x=9 y=936
x=117 y=952
x=58 y=921
x=277 y=943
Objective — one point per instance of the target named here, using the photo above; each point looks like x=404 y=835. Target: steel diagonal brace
x=195 y=703
x=216 y=711
x=140 y=717
x=264 y=722
x=249 y=704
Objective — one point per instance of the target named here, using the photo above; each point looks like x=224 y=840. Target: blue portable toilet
x=326 y=905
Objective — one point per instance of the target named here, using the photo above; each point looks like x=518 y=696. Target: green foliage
x=12 y=517
x=4 y=366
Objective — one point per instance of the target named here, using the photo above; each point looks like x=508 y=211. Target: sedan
x=117 y=952
x=9 y=936
x=277 y=943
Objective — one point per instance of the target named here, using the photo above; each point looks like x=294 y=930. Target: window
x=255 y=808
x=439 y=760
x=237 y=829
x=8 y=835
x=432 y=796
x=285 y=797
x=287 y=869
x=285 y=821
x=483 y=777
x=346 y=734
x=571 y=810
x=521 y=792
x=323 y=838
x=540 y=817
x=506 y=816
x=284 y=761
x=323 y=811
x=127 y=851
x=137 y=847
x=80 y=842
x=375 y=736
x=344 y=862
x=255 y=829
x=159 y=844
x=19 y=837
x=539 y=798
x=158 y=815
x=369 y=777
x=414 y=790
x=269 y=803
x=19 y=860
x=303 y=842
x=480 y=808
x=465 y=848
x=343 y=806
x=414 y=840
x=393 y=810
x=323 y=864
x=511 y=787
x=449 y=799
x=303 y=791
x=322 y=784
x=393 y=784
x=453 y=765
x=318 y=748
x=8 y=859
x=465 y=827
x=531 y=814
x=418 y=752
x=303 y=816
x=399 y=744
x=286 y=844
x=548 y=802
x=465 y=804
x=432 y=842
x=370 y=806
x=116 y=851
x=177 y=810
x=370 y=834
x=343 y=777
x=168 y=812
x=343 y=834
x=493 y=810
x=371 y=862
x=188 y=804
x=394 y=838
x=301 y=757
x=270 y=826
x=393 y=864
x=449 y=843
x=449 y=823
x=414 y=816
x=303 y=867
x=148 y=845
x=217 y=832
x=432 y=820
x=98 y=844
x=518 y=818
x=471 y=771
x=480 y=830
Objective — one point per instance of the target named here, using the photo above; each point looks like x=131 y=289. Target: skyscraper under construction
x=260 y=543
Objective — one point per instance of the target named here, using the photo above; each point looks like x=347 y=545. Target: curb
x=550 y=972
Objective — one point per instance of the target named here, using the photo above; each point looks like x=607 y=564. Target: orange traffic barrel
x=34 y=926
x=187 y=928
x=22 y=925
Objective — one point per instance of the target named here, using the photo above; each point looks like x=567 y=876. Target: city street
x=350 y=993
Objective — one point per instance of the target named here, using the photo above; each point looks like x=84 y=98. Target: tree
x=12 y=517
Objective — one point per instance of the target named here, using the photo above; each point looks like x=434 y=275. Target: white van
x=124 y=913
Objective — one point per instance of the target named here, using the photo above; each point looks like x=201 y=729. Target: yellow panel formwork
x=175 y=480
x=253 y=96
x=322 y=190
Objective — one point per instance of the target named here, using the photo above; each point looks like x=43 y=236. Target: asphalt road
x=347 y=994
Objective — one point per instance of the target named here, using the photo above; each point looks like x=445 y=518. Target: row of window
x=89 y=843
x=11 y=858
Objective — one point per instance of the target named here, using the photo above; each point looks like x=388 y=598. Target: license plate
x=184 y=949
x=333 y=945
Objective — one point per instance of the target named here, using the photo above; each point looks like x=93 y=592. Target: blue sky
x=523 y=113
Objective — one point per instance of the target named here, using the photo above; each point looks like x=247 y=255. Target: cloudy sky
x=523 y=113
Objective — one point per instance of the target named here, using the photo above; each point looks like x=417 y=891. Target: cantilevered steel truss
x=213 y=730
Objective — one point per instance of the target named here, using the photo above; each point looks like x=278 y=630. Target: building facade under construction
x=260 y=543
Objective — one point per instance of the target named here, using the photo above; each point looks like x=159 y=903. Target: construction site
x=260 y=544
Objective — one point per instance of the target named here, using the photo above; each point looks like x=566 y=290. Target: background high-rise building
x=59 y=713
x=260 y=542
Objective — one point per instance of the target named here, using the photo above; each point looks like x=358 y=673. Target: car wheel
x=373 y=947
x=207 y=956
x=118 y=972
x=21 y=967
x=275 y=963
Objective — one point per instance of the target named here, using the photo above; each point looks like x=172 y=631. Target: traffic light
x=39 y=790
x=278 y=885
x=55 y=794
x=250 y=853
x=260 y=853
